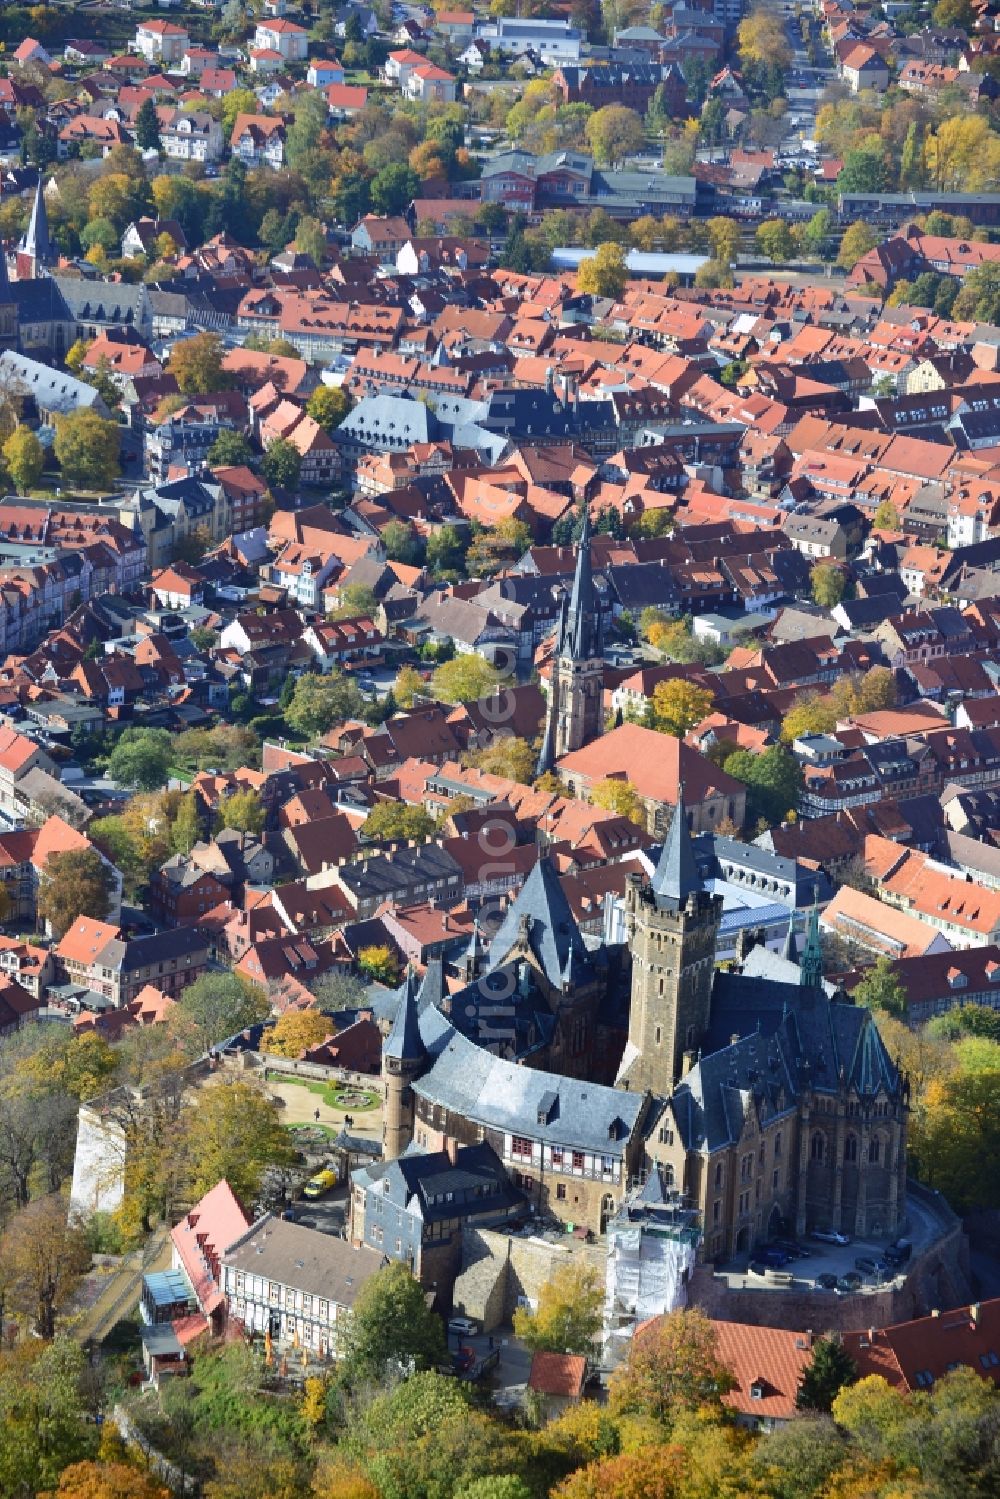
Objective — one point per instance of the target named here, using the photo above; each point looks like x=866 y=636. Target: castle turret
x=403 y=1055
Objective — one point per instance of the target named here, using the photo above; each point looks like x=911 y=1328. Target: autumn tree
x=886 y=517
x=378 y=964
x=328 y=405
x=827 y=583
x=673 y=1364
x=87 y=447
x=506 y=755
x=106 y=1480
x=569 y=1314
x=858 y=238
x=236 y=1134
x=408 y=682
x=605 y=273
x=242 y=811
x=75 y=882
x=320 y=702
x=762 y=38
x=613 y=133
x=392 y=1329
x=297 y=1031
x=621 y=797
x=196 y=364
x=392 y=821
x=678 y=705
x=774 y=239
x=464 y=679
x=45 y=1257
x=25 y=459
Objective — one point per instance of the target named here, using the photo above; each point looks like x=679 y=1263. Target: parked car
x=870 y=1265
x=463 y=1327
x=899 y=1253
x=851 y=1281
x=827 y=1281
x=324 y=1181
x=830 y=1236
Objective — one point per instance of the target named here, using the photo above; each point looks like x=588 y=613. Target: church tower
x=672 y=925
x=403 y=1056
x=8 y=306
x=35 y=249
x=811 y=961
x=576 y=711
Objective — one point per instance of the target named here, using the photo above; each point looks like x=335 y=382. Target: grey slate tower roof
x=547 y=753
x=403 y=1043
x=580 y=634
x=36 y=240
x=676 y=874
x=790 y=951
x=550 y=926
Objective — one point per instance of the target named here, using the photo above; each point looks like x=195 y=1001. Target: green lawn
x=328 y=1092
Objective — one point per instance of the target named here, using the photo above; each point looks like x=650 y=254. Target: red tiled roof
x=558 y=1374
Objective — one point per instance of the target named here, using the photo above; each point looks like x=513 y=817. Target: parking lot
x=818 y=1259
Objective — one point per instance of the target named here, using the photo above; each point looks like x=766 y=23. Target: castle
x=767 y=1105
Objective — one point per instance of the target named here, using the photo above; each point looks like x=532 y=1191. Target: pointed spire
x=580 y=635
x=474 y=953
x=676 y=875
x=790 y=951
x=403 y=1043
x=811 y=962
x=547 y=753
x=36 y=242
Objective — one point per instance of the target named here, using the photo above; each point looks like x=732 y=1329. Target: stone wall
x=502 y=1273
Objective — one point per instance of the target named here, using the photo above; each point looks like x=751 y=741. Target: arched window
x=851 y=1148
x=718 y=1175
x=874 y=1150
x=668 y=1175
x=817 y=1150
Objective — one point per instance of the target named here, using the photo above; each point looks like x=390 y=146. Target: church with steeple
x=575 y=713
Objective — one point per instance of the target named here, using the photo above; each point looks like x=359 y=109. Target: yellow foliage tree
x=297 y=1031
x=620 y=797
x=678 y=706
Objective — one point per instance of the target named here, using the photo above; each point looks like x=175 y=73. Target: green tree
x=827 y=583
x=886 y=517
x=392 y=1329
x=391 y=821
x=445 y=550
x=147 y=127
x=773 y=780
x=86 y=447
x=506 y=756
x=818 y=234
x=196 y=364
x=954 y=14
x=858 y=238
x=604 y=274
x=140 y=758
x=282 y=464
x=75 y=882
x=569 y=1314
x=402 y=543
x=229 y=450
x=185 y=830
x=775 y=240
x=215 y=1007
x=320 y=702
x=880 y=989
x=357 y=601
x=328 y=405
x=393 y=188
x=830 y=1369
x=865 y=168
x=407 y=683
x=464 y=679
x=25 y=459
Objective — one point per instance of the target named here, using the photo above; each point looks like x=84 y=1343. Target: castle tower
x=403 y=1056
x=35 y=249
x=575 y=712
x=673 y=925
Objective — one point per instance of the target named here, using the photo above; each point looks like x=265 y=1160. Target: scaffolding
x=652 y=1248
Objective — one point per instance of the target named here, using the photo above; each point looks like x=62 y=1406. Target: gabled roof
x=542 y=913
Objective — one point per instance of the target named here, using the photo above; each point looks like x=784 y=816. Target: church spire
x=580 y=637
x=676 y=874
x=811 y=962
x=35 y=248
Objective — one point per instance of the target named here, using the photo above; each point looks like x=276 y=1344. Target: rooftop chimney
x=451 y=1149
x=687 y=1062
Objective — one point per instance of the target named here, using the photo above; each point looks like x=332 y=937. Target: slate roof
x=551 y=928
x=417 y=1179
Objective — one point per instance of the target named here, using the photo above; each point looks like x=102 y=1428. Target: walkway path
x=121 y=1294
